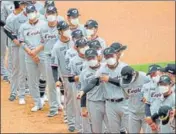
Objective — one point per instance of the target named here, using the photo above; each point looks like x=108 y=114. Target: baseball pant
x=138 y=121
x=15 y=71
x=68 y=98
x=22 y=73
x=98 y=116
x=166 y=129
x=53 y=97
x=77 y=107
x=4 y=71
x=116 y=112
x=34 y=71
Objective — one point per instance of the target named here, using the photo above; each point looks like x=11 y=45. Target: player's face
x=83 y=49
x=111 y=60
x=164 y=88
x=32 y=16
x=66 y=33
x=73 y=20
x=51 y=17
x=91 y=32
x=92 y=62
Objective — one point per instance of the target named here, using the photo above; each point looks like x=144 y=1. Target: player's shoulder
x=39 y=3
x=122 y=64
x=60 y=18
x=11 y=17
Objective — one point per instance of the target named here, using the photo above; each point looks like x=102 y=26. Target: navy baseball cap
x=170 y=68
x=153 y=68
x=163 y=114
x=108 y=51
x=51 y=10
x=118 y=46
x=95 y=44
x=81 y=42
x=30 y=8
x=127 y=73
x=91 y=24
x=62 y=25
x=165 y=79
x=91 y=53
x=73 y=12
x=77 y=34
x=49 y=3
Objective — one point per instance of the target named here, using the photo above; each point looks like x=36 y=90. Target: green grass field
x=144 y=67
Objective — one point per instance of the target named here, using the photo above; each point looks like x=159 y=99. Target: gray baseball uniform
x=80 y=27
x=58 y=59
x=77 y=64
x=102 y=42
x=96 y=101
x=6 y=9
x=15 y=52
x=50 y=36
x=31 y=35
x=156 y=99
x=135 y=103
x=116 y=111
x=40 y=7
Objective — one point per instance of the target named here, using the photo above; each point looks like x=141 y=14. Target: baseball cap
x=95 y=44
x=51 y=10
x=30 y=8
x=165 y=79
x=77 y=34
x=91 y=24
x=73 y=12
x=118 y=46
x=25 y=2
x=49 y=3
x=91 y=53
x=163 y=113
x=108 y=51
x=81 y=42
x=62 y=25
x=153 y=68
x=170 y=68
x=127 y=73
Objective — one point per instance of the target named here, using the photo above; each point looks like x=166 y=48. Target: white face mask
x=32 y=16
x=89 y=32
x=111 y=61
x=83 y=50
x=51 y=18
x=92 y=63
x=156 y=79
x=75 y=21
x=163 y=89
x=67 y=33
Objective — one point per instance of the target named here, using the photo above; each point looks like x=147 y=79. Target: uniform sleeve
x=21 y=34
x=54 y=57
x=103 y=43
x=9 y=26
x=4 y=13
x=72 y=67
x=81 y=78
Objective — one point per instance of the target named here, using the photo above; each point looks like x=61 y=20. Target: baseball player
x=59 y=64
x=119 y=48
x=116 y=109
x=73 y=20
x=163 y=95
x=91 y=32
x=6 y=9
x=10 y=30
x=170 y=70
x=77 y=64
x=32 y=43
x=48 y=3
x=50 y=34
x=96 y=101
x=39 y=6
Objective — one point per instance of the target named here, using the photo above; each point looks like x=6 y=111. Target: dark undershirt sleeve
x=55 y=73
x=147 y=110
x=91 y=85
x=9 y=34
x=83 y=100
x=114 y=81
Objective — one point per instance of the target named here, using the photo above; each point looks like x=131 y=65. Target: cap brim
x=123 y=48
x=91 y=56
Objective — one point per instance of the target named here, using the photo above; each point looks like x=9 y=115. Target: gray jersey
x=58 y=55
x=135 y=94
x=156 y=100
x=50 y=37
x=80 y=27
x=10 y=25
x=112 y=91
x=40 y=7
x=6 y=9
x=71 y=53
x=77 y=64
x=102 y=42
x=31 y=35
x=97 y=93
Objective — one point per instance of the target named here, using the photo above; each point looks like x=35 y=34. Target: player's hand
x=36 y=59
x=58 y=84
x=148 y=120
x=80 y=94
x=33 y=52
x=144 y=100
x=16 y=42
x=154 y=127
x=104 y=78
x=84 y=112
x=76 y=78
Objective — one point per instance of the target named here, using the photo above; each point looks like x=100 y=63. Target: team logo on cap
x=30 y=7
x=49 y=2
x=89 y=52
x=50 y=8
x=74 y=11
x=94 y=43
x=78 y=32
x=89 y=22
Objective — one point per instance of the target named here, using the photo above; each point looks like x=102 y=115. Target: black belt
x=113 y=100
